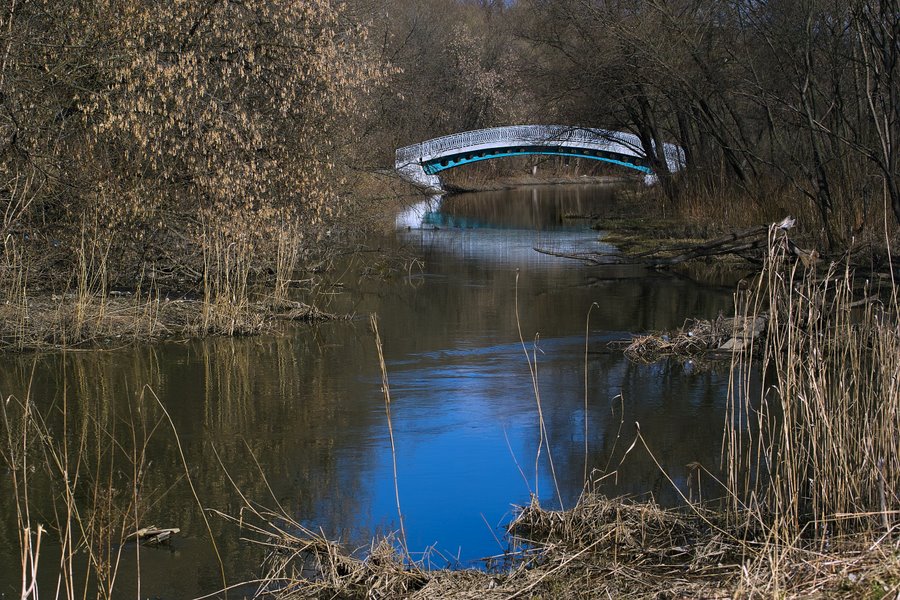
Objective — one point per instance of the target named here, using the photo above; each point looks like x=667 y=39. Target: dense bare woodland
x=779 y=105
x=163 y=137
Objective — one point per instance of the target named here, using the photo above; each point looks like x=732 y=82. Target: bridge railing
x=525 y=134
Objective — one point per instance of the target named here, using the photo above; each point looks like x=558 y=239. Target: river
x=298 y=417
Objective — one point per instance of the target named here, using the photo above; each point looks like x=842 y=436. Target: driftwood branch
x=592 y=258
x=740 y=243
x=154 y=535
x=730 y=244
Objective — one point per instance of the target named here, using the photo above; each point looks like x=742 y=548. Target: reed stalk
x=227 y=262
x=817 y=454
x=91 y=281
x=14 y=286
x=587 y=335
x=93 y=497
x=286 y=258
x=543 y=436
x=386 y=390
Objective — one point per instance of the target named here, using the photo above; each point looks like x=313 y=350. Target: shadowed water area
x=305 y=407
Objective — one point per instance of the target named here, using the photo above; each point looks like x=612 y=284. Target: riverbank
x=474 y=184
x=57 y=314
x=51 y=322
x=183 y=281
x=608 y=548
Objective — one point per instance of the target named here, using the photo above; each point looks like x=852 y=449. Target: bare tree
x=877 y=28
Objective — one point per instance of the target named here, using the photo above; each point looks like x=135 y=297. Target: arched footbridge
x=421 y=163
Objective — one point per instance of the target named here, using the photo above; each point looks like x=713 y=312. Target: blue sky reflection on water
x=465 y=426
x=465 y=417
x=463 y=433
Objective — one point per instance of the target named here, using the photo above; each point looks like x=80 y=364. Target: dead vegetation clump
x=616 y=548
x=306 y=565
x=613 y=547
x=601 y=548
x=302 y=563
x=698 y=338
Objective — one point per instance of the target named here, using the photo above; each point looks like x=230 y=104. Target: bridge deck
x=419 y=163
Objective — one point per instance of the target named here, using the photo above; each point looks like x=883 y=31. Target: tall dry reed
x=817 y=453
x=287 y=257
x=77 y=482
x=227 y=262
x=13 y=287
x=90 y=280
x=386 y=390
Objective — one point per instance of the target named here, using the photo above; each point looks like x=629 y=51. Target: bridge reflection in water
x=507 y=225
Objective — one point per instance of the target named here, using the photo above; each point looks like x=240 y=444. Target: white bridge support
x=420 y=163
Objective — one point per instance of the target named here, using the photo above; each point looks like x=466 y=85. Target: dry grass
x=232 y=273
x=64 y=321
x=616 y=547
x=301 y=563
x=728 y=207
x=50 y=323
x=87 y=312
x=696 y=339
x=819 y=451
x=601 y=548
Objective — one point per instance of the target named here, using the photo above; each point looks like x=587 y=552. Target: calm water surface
x=308 y=405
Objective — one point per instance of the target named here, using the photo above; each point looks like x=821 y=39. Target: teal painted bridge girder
x=421 y=163
x=436 y=166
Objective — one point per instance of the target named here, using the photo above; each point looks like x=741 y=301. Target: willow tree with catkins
x=185 y=129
